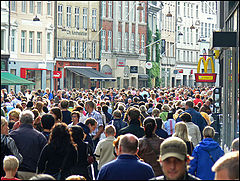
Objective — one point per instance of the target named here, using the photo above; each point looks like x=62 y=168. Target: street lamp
x=139 y=6
x=169 y=14
x=36 y=18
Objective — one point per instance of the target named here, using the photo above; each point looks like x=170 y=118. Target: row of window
x=78 y=52
x=77 y=17
x=133 y=43
x=207 y=28
x=29 y=7
x=187 y=56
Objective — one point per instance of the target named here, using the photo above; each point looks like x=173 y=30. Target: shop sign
x=57 y=74
x=149 y=65
x=205 y=77
x=133 y=69
x=121 y=62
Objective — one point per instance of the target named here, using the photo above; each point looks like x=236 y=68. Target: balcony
x=171 y=61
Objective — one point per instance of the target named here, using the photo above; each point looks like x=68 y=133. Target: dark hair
x=189 y=104
x=170 y=115
x=77 y=133
x=45 y=109
x=77 y=113
x=64 y=104
x=159 y=123
x=104 y=108
x=57 y=111
x=30 y=104
x=91 y=121
x=134 y=114
x=47 y=121
x=149 y=124
x=186 y=117
x=78 y=108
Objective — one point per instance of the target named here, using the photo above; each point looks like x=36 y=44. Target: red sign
x=57 y=74
x=205 y=77
x=180 y=71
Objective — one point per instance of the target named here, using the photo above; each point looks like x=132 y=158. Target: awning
x=90 y=73
x=143 y=77
x=10 y=79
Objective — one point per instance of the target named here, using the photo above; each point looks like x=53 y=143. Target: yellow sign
x=205 y=64
x=205 y=77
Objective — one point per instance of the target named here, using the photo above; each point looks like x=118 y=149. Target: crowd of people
x=111 y=134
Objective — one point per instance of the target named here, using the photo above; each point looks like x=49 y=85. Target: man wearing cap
x=173 y=159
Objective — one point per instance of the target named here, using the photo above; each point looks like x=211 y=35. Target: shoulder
x=192 y=177
x=157 y=178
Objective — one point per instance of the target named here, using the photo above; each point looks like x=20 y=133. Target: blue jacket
x=196 y=119
x=87 y=132
x=30 y=143
x=126 y=167
x=118 y=124
x=202 y=164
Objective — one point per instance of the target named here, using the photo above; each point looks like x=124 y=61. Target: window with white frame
x=120 y=9
x=184 y=35
x=39 y=36
x=24 y=6
x=178 y=36
x=23 y=41
x=103 y=8
x=13 y=38
x=84 y=52
x=178 y=57
x=205 y=29
x=196 y=36
x=209 y=7
x=48 y=43
x=94 y=19
x=191 y=37
x=31 y=33
x=77 y=17
x=142 y=43
x=76 y=49
x=94 y=50
x=109 y=41
x=184 y=9
x=110 y=9
x=126 y=10
x=103 y=40
x=119 y=41
x=184 y=55
x=188 y=56
x=178 y=8
x=191 y=57
x=59 y=48
x=134 y=11
x=171 y=49
x=60 y=11
x=49 y=8
x=202 y=6
x=143 y=12
x=201 y=29
x=39 y=7
x=206 y=11
x=192 y=10
x=196 y=11
x=3 y=39
x=209 y=29
x=133 y=42
x=213 y=7
x=69 y=9
x=85 y=18
x=212 y=27
x=31 y=6
x=188 y=10
x=126 y=41
x=68 y=48
x=187 y=35
x=13 y=5
x=196 y=57
x=138 y=42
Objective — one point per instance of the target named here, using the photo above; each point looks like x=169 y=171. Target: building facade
x=77 y=36
x=123 y=41
x=31 y=42
x=195 y=22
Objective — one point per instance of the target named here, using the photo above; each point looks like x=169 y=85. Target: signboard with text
x=57 y=74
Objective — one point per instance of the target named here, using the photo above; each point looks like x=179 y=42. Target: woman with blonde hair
x=39 y=106
x=181 y=131
x=14 y=118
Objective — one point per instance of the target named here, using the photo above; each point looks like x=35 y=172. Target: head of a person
x=155 y=112
x=47 y=121
x=165 y=108
x=197 y=96
x=75 y=177
x=42 y=176
x=117 y=114
x=77 y=133
x=128 y=144
x=27 y=117
x=133 y=114
x=90 y=106
x=105 y=108
x=14 y=114
x=186 y=117
x=235 y=145
x=64 y=104
x=173 y=158
x=91 y=123
x=4 y=126
x=116 y=145
x=110 y=130
x=75 y=115
x=29 y=104
x=150 y=126
x=227 y=167
x=143 y=108
x=10 y=164
x=208 y=132
x=57 y=114
x=181 y=131
x=159 y=123
x=60 y=135
x=189 y=104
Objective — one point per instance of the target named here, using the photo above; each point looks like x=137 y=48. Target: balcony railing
x=168 y=60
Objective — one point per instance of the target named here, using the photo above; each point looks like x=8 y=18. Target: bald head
x=128 y=144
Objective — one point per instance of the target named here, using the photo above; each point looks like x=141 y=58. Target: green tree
x=149 y=40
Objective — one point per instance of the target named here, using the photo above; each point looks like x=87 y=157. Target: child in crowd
x=10 y=166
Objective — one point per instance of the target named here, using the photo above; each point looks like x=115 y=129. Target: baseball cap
x=173 y=147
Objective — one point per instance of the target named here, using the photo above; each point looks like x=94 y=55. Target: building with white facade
x=195 y=20
x=31 y=42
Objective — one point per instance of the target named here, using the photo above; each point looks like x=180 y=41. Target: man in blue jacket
x=196 y=116
x=205 y=154
x=127 y=166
